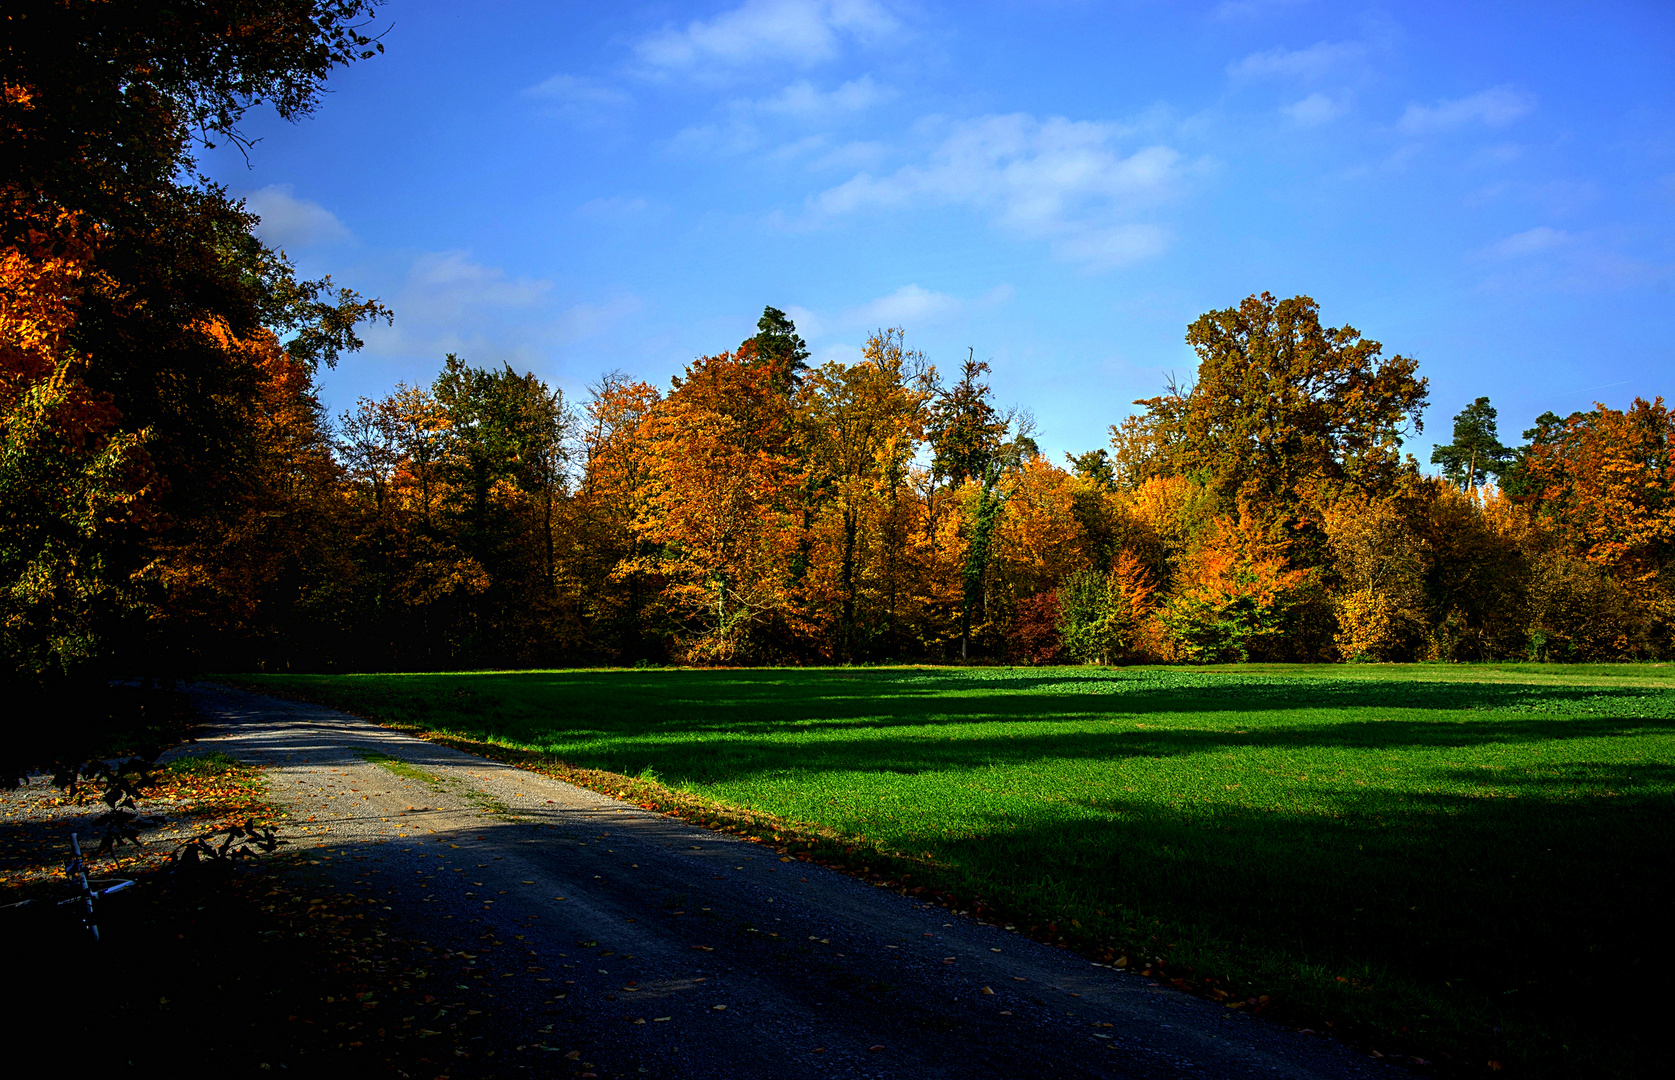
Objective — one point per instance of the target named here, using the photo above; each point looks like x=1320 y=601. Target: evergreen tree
x=779 y=348
x=1476 y=452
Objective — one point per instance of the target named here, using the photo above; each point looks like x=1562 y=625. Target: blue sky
x=1063 y=187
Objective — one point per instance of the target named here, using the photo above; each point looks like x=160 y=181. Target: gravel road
x=660 y=949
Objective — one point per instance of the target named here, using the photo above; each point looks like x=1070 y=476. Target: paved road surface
x=683 y=953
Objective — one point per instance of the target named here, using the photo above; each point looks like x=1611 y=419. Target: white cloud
x=1530 y=242
x=1499 y=105
x=800 y=31
x=908 y=304
x=587 y=319
x=851 y=155
x=1321 y=59
x=802 y=100
x=1116 y=245
x=1498 y=154
x=802 y=104
x=452 y=303
x=1249 y=9
x=450 y=281
x=1547 y=260
x=575 y=98
x=1314 y=110
x=820 y=154
x=1054 y=178
x=288 y=221
x=809 y=325
x=915 y=306
x=734 y=136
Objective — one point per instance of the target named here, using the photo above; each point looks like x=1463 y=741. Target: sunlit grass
x=1449 y=850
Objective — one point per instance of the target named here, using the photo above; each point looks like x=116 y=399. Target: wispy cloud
x=1250 y=9
x=450 y=302
x=1317 y=61
x=1545 y=260
x=452 y=281
x=1058 y=179
x=745 y=124
x=821 y=152
x=804 y=101
x=616 y=208
x=801 y=32
x=573 y=97
x=588 y=319
x=913 y=305
x=1112 y=246
x=290 y=222
x=1530 y=242
x=1495 y=106
x=1314 y=110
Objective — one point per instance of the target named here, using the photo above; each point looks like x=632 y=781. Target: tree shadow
x=1543 y=916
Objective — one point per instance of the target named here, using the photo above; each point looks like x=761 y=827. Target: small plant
x=204 y=766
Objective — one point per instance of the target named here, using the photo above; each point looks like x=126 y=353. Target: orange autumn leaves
x=717 y=507
x=1609 y=477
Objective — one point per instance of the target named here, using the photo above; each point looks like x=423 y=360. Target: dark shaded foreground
x=251 y=973
x=678 y=952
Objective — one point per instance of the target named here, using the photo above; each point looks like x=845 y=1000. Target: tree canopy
x=1284 y=409
x=153 y=352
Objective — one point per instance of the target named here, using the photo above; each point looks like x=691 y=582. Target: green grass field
x=1465 y=860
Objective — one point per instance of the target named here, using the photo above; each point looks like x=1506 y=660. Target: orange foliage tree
x=1604 y=483
x=716 y=508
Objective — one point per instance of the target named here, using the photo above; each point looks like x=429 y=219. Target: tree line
x=759 y=510
x=173 y=495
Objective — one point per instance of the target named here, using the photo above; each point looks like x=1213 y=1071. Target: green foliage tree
x=1476 y=452
x=778 y=347
x=969 y=444
x=1094 y=466
x=506 y=451
x=1283 y=406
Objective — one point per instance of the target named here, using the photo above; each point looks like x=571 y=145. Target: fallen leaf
x=986 y=990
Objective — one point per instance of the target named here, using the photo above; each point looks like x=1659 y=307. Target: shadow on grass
x=692 y=723
x=695 y=757
x=1531 y=930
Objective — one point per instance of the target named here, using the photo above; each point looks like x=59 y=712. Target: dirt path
x=655 y=948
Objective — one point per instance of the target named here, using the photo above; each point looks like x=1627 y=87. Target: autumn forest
x=174 y=496
x=759 y=511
